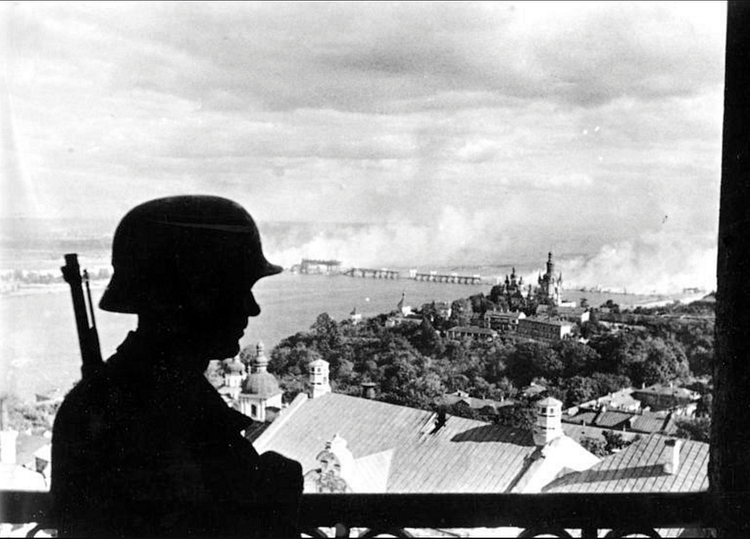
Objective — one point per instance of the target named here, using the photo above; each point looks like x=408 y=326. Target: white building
x=544 y=329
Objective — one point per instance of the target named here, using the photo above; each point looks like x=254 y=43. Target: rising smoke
x=663 y=262
x=654 y=263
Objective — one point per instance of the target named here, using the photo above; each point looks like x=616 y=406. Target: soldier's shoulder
x=88 y=393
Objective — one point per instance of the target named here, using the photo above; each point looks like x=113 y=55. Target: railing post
x=342 y=531
x=729 y=467
x=589 y=533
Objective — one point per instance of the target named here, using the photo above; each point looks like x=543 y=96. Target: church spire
x=261 y=360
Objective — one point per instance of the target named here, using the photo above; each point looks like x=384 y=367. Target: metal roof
x=463 y=456
x=613 y=419
x=585 y=417
x=638 y=468
x=649 y=422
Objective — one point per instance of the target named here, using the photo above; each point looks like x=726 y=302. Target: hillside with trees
x=416 y=365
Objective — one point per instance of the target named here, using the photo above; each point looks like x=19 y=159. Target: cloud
x=570 y=180
x=531 y=121
x=373 y=56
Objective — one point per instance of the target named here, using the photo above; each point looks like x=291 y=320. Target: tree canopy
x=417 y=365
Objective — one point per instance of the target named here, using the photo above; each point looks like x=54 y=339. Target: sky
x=452 y=133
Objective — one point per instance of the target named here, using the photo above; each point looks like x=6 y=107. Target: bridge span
x=451 y=278
x=432 y=276
x=373 y=273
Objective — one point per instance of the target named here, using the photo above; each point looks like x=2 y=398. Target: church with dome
x=515 y=293
x=248 y=388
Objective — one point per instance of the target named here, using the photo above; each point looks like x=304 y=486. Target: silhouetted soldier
x=145 y=446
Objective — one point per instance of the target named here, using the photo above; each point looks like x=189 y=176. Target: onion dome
x=234 y=366
x=261 y=383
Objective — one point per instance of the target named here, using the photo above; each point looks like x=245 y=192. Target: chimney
x=368 y=390
x=671 y=463
x=320 y=385
x=548 y=424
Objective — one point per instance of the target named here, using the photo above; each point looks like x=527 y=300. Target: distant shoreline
x=26 y=289
x=37 y=289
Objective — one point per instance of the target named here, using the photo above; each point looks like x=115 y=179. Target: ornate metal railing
x=531 y=515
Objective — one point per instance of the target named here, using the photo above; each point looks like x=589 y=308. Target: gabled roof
x=584 y=417
x=472 y=329
x=505 y=314
x=666 y=391
x=462 y=456
x=579 y=432
x=612 y=419
x=561 y=455
x=544 y=320
x=638 y=468
x=474 y=402
x=649 y=422
x=643 y=422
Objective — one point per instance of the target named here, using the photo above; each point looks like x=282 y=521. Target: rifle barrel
x=88 y=338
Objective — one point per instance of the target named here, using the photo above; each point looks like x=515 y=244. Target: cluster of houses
x=630 y=412
x=648 y=410
x=548 y=324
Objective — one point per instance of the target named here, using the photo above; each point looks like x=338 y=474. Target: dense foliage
x=414 y=364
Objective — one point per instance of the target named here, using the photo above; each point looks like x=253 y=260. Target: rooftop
x=472 y=329
x=641 y=421
x=474 y=402
x=545 y=320
x=638 y=468
x=663 y=390
x=463 y=455
x=612 y=419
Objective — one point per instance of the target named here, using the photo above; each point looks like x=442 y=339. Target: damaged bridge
x=373 y=273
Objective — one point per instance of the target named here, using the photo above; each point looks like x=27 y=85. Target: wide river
x=39 y=345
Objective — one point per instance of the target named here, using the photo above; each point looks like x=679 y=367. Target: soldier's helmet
x=182 y=252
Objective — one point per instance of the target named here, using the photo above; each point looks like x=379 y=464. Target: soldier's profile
x=144 y=445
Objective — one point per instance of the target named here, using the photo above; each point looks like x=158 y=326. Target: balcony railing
x=592 y=515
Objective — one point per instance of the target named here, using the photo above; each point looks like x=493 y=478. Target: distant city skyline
x=457 y=129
